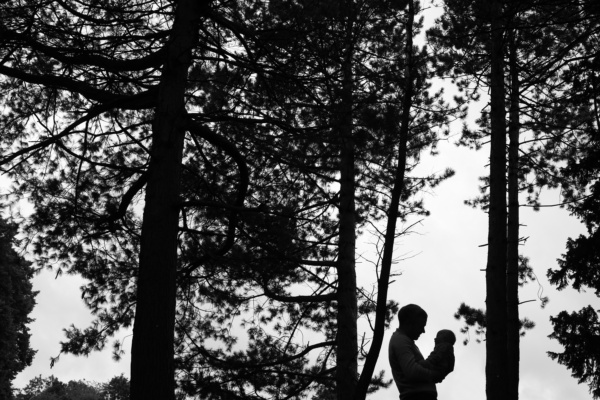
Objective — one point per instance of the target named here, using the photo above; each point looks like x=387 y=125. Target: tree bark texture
x=496 y=345
x=152 y=368
x=512 y=273
x=392 y=217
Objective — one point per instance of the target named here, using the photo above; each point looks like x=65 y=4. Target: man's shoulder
x=399 y=333
x=399 y=338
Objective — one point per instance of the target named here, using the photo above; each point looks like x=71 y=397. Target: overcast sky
x=441 y=263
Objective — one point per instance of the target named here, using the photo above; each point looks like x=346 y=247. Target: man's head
x=445 y=336
x=412 y=320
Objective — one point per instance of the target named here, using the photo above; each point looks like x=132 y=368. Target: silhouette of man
x=414 y=381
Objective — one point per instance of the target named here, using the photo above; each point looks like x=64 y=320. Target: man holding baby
x=415 y=376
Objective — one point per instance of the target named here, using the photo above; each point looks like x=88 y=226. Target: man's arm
x=404 y=354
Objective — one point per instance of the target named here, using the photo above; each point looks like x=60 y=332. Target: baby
x=442 y=356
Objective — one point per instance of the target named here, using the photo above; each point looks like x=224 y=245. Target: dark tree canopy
x=51 y=388
x=579 y=267
x=116 y=389
x=259 y=139
x=579 y=333
x=17 y=300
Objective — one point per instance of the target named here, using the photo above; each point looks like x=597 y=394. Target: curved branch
x=92 y=113
x=239 y=365
x=96 y=163
x=97 y=21
x=225 y=145
x=128 y=197
x=216 y=140
x=133 y=102
x=75 y=56
x=299 y=299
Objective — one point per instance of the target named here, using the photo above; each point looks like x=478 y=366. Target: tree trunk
x=347 y=336
x=392 y=217
x=496 y=262
x=512 y=273
x=152 y=367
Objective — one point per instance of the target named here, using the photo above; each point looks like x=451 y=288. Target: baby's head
x=445 y=336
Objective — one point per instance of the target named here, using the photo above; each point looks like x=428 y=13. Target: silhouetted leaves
x=51 y=388
x=579 y=334
x=17 y=300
